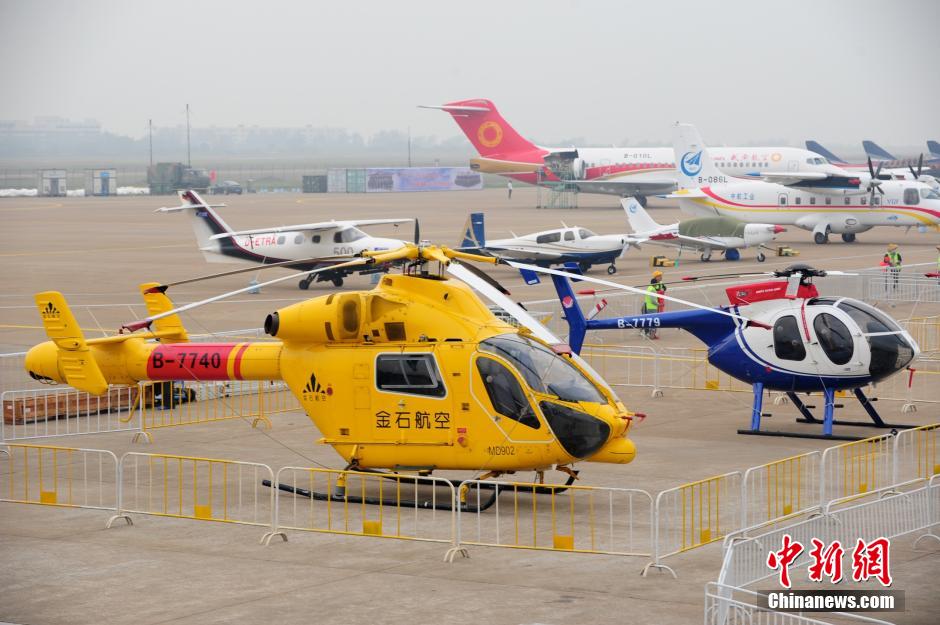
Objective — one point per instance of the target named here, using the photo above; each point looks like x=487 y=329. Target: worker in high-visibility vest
x=892 y=264
x=652 y=302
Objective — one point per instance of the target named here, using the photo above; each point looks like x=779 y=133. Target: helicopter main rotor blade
x=516 y=311
x=631 y=289
x=143 y=323
x=285 y=263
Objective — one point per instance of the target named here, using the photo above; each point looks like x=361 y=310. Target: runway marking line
x=104 y=249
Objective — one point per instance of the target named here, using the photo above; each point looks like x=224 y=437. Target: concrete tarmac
x=61 y=565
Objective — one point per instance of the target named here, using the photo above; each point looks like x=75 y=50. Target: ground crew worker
x=652 y=303
x=892 y=263
x=509 y=188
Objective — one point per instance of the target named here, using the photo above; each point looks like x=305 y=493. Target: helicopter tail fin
x=577 y=324
x=474 y=234
x=170 y=328
x=73 y=359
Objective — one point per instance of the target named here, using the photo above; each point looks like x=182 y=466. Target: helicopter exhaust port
x=272 y=323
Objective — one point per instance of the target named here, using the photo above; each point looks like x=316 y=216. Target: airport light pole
x=189 y=160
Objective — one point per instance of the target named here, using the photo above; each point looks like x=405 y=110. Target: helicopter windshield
x=891 y=349
x=543 y=370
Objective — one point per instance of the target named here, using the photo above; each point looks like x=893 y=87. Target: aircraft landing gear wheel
x=611 y=270
x=761 y=257
x=305 y=283
x=337 y=282
x=584 y=267
x=706 y=257
x=821 y=238
x=848 y=237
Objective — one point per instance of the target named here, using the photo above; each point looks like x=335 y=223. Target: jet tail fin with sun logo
x=75 y=361
x=694 y=166
x=489 y=133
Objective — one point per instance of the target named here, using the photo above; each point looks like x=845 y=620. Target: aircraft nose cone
x=779 y=229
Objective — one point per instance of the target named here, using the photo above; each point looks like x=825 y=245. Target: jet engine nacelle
x=578 y=168
x=758 y=234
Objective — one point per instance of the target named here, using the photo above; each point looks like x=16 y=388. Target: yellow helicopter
x=415 y=375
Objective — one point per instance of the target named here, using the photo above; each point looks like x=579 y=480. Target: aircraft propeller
x=875 y=183
x=920 y=167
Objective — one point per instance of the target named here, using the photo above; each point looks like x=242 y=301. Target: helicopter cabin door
x=837 y=347
x=410 y=400
x=499 y=392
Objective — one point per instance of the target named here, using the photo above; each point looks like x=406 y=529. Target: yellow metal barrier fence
x=364 y=504
x=582 y=519
x=857 y=468
x=926 y=331
x=781 y=489
x=59 y=476
x=915 y=454
x=206 y=489
x=171 y=404
x=693 y=515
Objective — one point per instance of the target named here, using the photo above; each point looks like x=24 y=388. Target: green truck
x=167 y=178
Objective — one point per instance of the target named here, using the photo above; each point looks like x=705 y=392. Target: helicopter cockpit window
x=788 y=344
x=890 y=350
x=834 y=338
x=544 y=370
x=414 y=374
x=506 y=393
x=348 y=235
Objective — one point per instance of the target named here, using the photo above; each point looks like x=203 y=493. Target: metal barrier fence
x=857 y=468
x=207 y=489
x=693 y=515
x=363 y=504
x=582 y=519
x=781 y=489
x=727 y=605
x=926 y=331
x=915 y=454
x=171 y=404
x=60 y=476
x=43 y=413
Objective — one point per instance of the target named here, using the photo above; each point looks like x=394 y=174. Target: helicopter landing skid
x=827 y=421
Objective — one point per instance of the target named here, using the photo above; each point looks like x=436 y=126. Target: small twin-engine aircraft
x=416 y=374
x=810 y=205
x=778 y=335
x=571 y=246
x=704 y=234
x=303 y=246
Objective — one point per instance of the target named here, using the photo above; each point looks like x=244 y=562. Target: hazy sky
x=605 y=71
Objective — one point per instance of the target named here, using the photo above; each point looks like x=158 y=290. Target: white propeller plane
x=703 y=234
x=300 y=246
x=705 y=190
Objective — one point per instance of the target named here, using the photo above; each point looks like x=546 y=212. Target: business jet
x=575 y=247
x=623 y=171
x=704 y=234
x=304 y=243
x=706 y=190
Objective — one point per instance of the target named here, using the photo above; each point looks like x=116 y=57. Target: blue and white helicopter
x=777 y=335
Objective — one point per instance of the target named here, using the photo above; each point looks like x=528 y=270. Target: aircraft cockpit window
x=585 y=234
x=551 y=237
x=413 y=374
x=788 y=344
x=569 y=235
x=348 y=235
x=834 y=337
x=543 y=370
x=506 y=393
x=929 y=194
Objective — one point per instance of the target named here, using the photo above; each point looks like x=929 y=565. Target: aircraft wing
x=316 y=227
x=790 y=177
x=528 y=253
x=621 y=187
x=687 y=242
